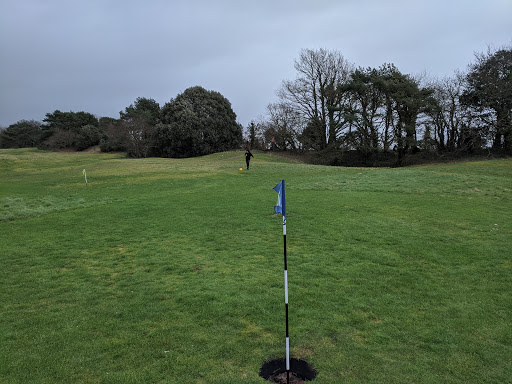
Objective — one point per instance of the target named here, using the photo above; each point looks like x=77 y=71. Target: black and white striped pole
x=281 y=208
x=286 y=303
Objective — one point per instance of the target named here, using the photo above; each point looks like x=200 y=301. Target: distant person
x=248 y=156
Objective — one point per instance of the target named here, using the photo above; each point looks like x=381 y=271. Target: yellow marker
x=241 y=169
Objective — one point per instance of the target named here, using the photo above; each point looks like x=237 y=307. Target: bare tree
x=254 y=136
x=449 y=116
x=139 y=136
x=314 y=94
x=283 y=126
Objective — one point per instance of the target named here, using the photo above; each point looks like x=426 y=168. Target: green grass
x=171 y=271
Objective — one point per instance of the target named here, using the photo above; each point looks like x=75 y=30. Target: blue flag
x=281 y=202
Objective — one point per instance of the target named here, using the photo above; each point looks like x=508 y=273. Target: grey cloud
x=99 y=56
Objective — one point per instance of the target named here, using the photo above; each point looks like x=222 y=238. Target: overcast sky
x=98 y=56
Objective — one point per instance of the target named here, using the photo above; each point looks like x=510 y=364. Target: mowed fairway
x=171 y=271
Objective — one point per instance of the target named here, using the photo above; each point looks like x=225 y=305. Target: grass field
x=171 y=271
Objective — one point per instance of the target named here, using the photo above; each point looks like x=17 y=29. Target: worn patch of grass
x=170 y=271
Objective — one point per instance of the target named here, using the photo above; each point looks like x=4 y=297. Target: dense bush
x=71 y=130
x=23 y=134
x=115 y=138
x=197 y=122
x=88 y=136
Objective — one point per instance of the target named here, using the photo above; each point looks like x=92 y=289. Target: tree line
x=197 y=122
x=334 y=108
x=342 y=113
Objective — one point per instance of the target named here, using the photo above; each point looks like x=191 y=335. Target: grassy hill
x=171 y=271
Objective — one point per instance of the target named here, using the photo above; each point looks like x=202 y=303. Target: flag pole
x=286 y=302
x=281 y=208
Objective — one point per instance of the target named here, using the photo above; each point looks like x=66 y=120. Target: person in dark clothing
x=248 y=156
